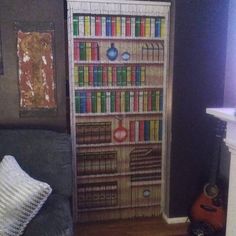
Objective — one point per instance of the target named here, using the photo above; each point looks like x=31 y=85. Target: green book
x=119 y=76
x=75 y=25
x=103 y=102
x=127 y=101
x=113 y=97
x=137 y=26
x=76 y=75
x=77 y=102
x=82 y=51
x=99 y=76
x=81 y=76
x=124 y=76
x=94 y=102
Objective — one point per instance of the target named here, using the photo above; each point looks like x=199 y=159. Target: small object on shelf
x=120 y=133
x=112 y=52
x=125 y=56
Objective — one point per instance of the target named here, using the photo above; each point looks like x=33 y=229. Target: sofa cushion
x=43 y=154
x=54 y=218
x=21 y=197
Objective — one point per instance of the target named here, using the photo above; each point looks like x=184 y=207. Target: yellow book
x=163 y=27
x=122 y=101
x=143 y=75
x=129 y=76
x=88 y=51
x=118 y=26
x=76 y=75
x=86 y=75
x=148 y=27
x=98 y=102
x=156 y=130
x=152 y=130
x=109 y=75
x=87 y=31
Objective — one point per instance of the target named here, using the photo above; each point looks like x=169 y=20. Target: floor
x=133 y=227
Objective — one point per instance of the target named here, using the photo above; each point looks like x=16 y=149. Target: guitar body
x=209 y=209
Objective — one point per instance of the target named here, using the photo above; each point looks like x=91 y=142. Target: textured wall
x=30 y=11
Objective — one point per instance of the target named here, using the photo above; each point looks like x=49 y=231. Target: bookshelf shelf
x=118 y=83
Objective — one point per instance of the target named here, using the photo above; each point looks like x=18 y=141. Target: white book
x=132 y=26
x=123 y=20
x=136 y=133
x=92 y=21
x=108 y=102
x=152 y=27
x=131 y=101
x=81 y=25
x=103 y=26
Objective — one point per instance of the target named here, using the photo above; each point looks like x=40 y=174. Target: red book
x=142 y=27
x=132 y=131
x=88 y=102
x=127 y=26
x=94 y=51
x=104 y=76
x=98 y=26
x=141 y=130
x=133 y=76
x=76 y=50
x=114 y=79
x=136 y=101
x=117 y=108
x=149 y=101
x=90 y=75
x=113 y=26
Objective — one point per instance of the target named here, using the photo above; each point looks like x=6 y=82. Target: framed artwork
x=1 y=57
x=36 y=69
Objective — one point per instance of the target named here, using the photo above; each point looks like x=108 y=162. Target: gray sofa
x=46 y=156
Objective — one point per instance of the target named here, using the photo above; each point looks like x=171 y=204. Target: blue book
x=158 y=27
x=138 y=75
x=95 y=76
x=147 y=130
x=160 y=131
x=82 y=102
x=108 y=25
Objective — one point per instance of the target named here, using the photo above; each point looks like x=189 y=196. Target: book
x=131 y=101
x=119 y=76
x=75 y=25
x=145 y=101
x=147 y=130
x=103 y=102
x=143 y=75
x=133 y=75
x=123 y=21
x=94 y=51
x=118 y=26
x=160 y=131
x=77 y=102
x=161 y=100
x=103 y=26
x=152 y=27
x=156 y=130
x=127 y=101
x=87 y=30
x=109 y=75
x=138 y=75
x=149 y=101
x=108 y=102
x=132 y=20
x=113 y=26
x=122 y=101
x=142 y=26
x=88 y=51
x=88 y=102
x=92 y=25
x=98 y=26
x=99 y=75
x=137 y=26
x=128 y=69
x=82 y=51
x=112 y=103
x=90 y=75
x=136 y=132
x=82 y=102
x=108 y=25
x=86 y=76
x=148 y=27
x=81 y=76
x=76 y=50
x=140 y=101
x=158 y=27
x=95 y=75
x=141 y=130
x=114 y=79
x=124 y=76
x=81 y=25
x=117 y=101
x=152 y=130
x=98 y=102
x=136 y=101
x=104 y=76
x=163 y=27
x=76 y=75
x=132 y=131
x=127 y=26
x=157 y=101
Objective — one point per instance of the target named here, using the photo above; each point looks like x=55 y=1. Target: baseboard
x=174 y=220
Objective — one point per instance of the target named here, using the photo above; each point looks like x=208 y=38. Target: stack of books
x=86 y=51
x=118 y=26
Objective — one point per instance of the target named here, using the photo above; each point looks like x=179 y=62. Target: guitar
x=208 y=207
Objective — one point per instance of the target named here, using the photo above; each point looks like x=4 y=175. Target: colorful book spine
x=103 y=26
x=93 y=27
x=131 y=101
x=76 y=75
x=88 y=102
x=98 y=102
x=90 y=83
x=122 y=101
x=149 y=101
x=142 y=26
x=136 y=131
x=128 y=70
x=138 y=75
x=160 y=131
x=124 y=76
x=99 y=76
x=88 y=51
x=137 y=26
x=94 y=51
x=118 y=26
x=152 y=27
x=108 y=25
x=87 y=29
x=156 y=130
x=127 y=101
x=157 y=101
x=161 y=101
x=82 y=102
x=82 y=51
x=158 y=27
x=152 y=130
x=77 y=102
x=104 y=76
x=123 y=26
x=114 y=79
x=86 y=76
x=117 y=101
x=141 y=130
x=103 y=102
x=94 y=102
x=81 y=25
x=133 y=73
x=140 y=101
x=98 y=25
x=76 y=50
x=143 y=75
x=112 y=103
x=132 y=27
x=108 y=102
x=136 y=101
x=113 y=26
x=95 y=76
x=75 y=25
x=147 y=130
x=81 y=76
x=119 y=76
x=127 y=26
x=145 y=101
x=109 y=75
x=148 y=27
x=132 y=131
x=163 y=27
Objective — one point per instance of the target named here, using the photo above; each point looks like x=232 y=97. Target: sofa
x=46 y=156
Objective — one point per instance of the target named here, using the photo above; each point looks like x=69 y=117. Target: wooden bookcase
x=118 y=64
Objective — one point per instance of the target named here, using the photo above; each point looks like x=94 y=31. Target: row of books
x=118 y=26
x=86 y=51
x=118 y=101
x=93 y=195
x=145 y=130
x=105 y=75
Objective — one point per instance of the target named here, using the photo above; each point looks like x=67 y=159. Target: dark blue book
x=95 y=76
x=147 y=130
x=160 y=131
x=108 y=25
x=138 y=75
x=158 y=27
x=82 y=102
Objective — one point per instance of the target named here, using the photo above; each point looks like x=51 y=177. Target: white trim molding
x=175 y=220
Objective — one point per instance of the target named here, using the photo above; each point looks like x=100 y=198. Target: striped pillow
x=21 y=197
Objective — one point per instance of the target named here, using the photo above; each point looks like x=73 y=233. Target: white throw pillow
x=21 y=197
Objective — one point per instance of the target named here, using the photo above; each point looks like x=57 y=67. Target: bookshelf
x=118 y=64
